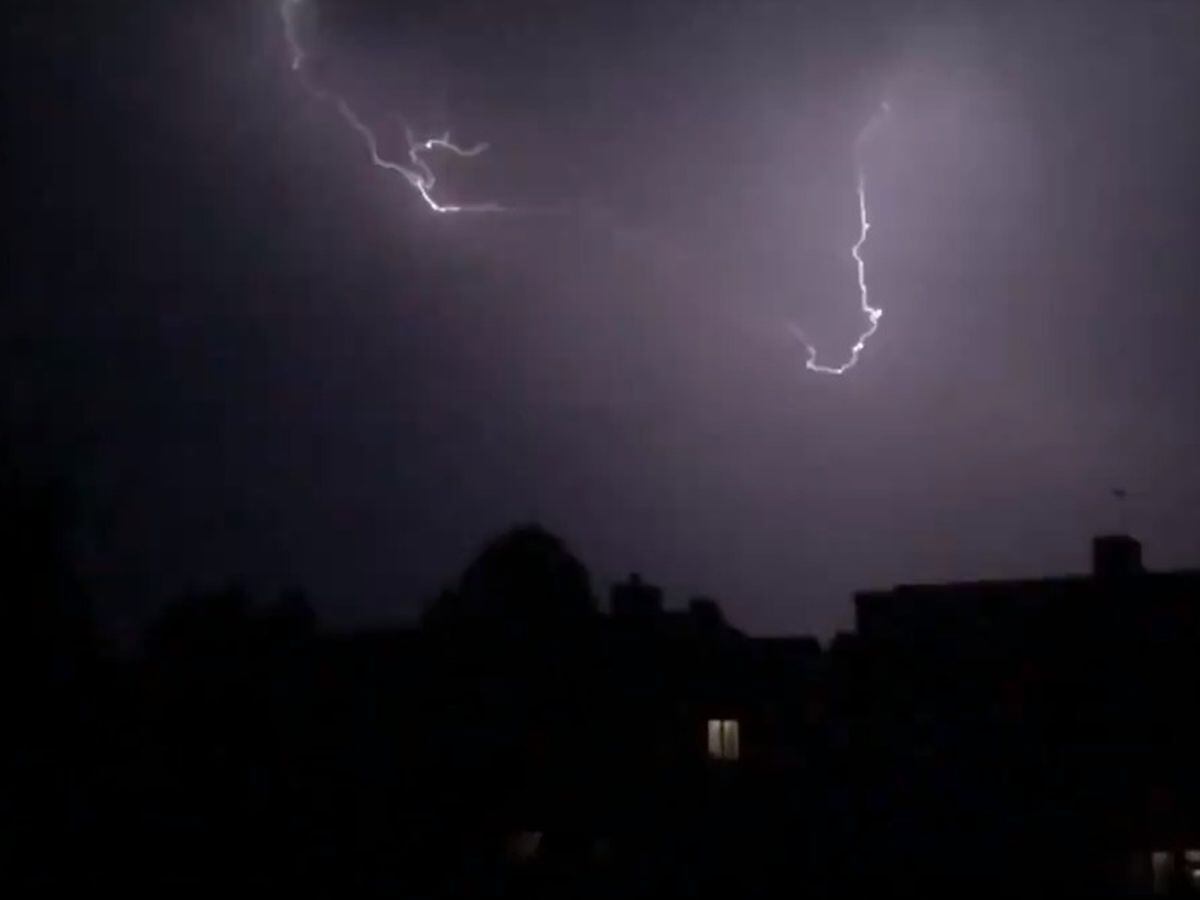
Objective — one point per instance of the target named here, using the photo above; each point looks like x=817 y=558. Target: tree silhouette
x=526 y=578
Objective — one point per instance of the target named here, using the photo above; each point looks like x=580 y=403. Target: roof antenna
x=1120 y=495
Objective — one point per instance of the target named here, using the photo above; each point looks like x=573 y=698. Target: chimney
x=1116 y=556
x=635 y=598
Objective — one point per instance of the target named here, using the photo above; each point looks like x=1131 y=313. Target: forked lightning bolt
x=873 y=313
x=421 y=177
x=417 y=172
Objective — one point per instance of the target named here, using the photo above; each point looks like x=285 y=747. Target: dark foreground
x=994 y=738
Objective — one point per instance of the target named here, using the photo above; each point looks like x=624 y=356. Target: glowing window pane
x=730 y=741
x=724 y=740
x=714 y=738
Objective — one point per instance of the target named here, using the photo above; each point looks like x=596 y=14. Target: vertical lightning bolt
x=872 y=313
x=417 y=171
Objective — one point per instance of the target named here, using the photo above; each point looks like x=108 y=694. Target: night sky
x=262 y=359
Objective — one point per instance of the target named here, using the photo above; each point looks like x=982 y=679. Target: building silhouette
x=1066 y=704
x=984 y=738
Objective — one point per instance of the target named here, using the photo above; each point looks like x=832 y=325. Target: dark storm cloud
x=269 y=361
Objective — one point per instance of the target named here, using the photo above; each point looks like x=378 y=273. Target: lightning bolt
x=873 y=313
x=417 y=172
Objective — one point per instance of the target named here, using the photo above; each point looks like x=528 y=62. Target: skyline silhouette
x=259 y=358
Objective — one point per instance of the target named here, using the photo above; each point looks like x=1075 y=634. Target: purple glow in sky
x=266 y=359
x=421 y=176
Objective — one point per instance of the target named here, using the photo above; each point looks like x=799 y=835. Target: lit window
x=723 y=742
x=1191 y=860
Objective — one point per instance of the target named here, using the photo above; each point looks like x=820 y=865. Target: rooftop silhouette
x=523 y=741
